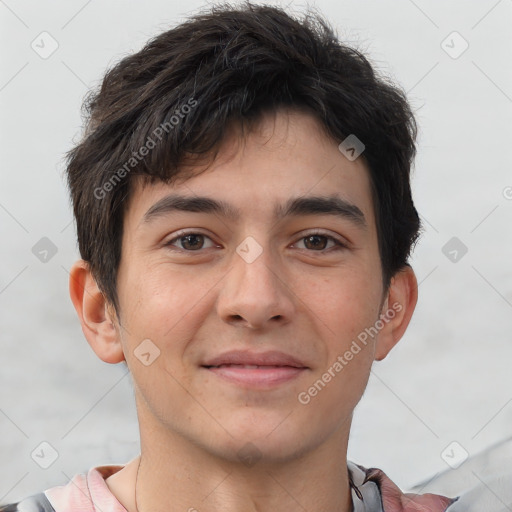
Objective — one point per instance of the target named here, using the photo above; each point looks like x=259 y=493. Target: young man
x=244 y=216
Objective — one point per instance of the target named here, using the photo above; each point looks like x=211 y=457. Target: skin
x=306 y=300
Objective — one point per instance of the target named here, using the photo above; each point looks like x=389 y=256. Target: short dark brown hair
x=229 y=65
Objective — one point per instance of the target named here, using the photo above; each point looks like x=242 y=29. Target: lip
x=262 y=370
x=245 y=357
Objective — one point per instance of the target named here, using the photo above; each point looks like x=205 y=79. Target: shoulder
x=35 y=503
x=492 y=494
x=374 y=491
x=85 y=492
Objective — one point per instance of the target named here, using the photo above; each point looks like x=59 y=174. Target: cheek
x=343 y=304
x=342 y=311
x=165 y=306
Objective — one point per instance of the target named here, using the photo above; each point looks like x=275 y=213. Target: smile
x=257 y=376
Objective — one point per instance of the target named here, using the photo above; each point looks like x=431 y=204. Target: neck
x=177 y=476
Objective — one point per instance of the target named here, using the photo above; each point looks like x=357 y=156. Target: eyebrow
x=300 y=206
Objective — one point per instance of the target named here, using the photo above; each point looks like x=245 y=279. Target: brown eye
x=192 y=242
x=189 y=242
x=315 y=242
x=319 y=242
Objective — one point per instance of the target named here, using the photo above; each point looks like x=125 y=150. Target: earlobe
x=398 y=309
x=96 y=316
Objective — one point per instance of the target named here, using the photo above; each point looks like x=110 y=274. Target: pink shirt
x=372 y=491
x=86 y=492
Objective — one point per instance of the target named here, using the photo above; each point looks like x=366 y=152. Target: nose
x=255 y=294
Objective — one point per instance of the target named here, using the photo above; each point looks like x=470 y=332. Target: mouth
x=250 y=370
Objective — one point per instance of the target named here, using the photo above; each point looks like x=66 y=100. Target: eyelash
x=338 y=244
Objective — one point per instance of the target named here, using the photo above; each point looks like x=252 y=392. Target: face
x=248 y=304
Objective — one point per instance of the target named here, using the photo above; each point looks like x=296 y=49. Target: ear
x=96 y=315
x=397 y=310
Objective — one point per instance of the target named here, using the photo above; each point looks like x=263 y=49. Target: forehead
x=287 y=154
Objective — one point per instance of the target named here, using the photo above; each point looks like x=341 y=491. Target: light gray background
x=448 y=380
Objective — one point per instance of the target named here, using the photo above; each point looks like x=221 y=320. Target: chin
x=267 y=438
